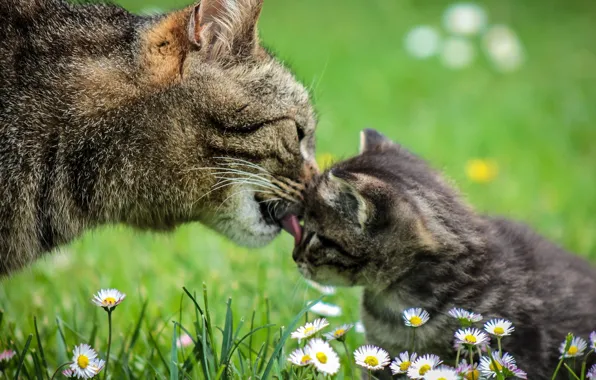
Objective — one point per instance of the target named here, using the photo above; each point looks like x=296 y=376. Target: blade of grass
x=209 y=326
x=37 y=365
x=207 y=369
x=62 y=347
x=252 y=325
x=194 y=300
x=174 y=358
x=284 y=337
x=268 y=339
x=22 y=356
x=159 y=354
x=40 y=348
x=228 y=330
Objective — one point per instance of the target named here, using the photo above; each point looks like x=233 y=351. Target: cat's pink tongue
x=291 y=224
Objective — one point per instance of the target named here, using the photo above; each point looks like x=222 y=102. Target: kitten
x=109 y=117
x=387 y=222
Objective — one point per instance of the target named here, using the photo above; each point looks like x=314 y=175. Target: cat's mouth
x=291 y=224
x=288 y=219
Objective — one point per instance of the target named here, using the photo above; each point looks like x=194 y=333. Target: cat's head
x=253 y=121
x=369 y=218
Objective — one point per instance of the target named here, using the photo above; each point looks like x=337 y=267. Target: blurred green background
x=517 y=142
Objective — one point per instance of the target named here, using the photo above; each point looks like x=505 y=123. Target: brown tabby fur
x=386 y=221
x=108 y=117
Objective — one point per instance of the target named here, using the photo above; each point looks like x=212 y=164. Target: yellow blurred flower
x=481 y=170
x=325 y=160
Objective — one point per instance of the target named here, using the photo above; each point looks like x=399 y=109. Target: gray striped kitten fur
x=387 y=222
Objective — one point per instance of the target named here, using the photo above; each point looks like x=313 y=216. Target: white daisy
x=593 y=340
x=339 y=332
x=68 y=373
x=441 y=373
x=359 y=327
x=401 y=363
x=513 y=371
x=299 y=358
x=577 y=348
x=326 y=309
x=84 y=362
x=471 y=336
x=422 y=365
x=489 y=369
x=591 y=372
x=467 y=371
x=415 y=317
x=372 y=357
x=465 y=318
x=6 y=355
x=310 y=329
x=323 y=357
x=108 y=298
x=499 y=327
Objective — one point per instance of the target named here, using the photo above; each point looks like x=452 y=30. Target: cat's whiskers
x=237 y=193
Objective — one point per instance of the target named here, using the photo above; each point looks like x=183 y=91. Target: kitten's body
x=110 y=117
x=410 y=242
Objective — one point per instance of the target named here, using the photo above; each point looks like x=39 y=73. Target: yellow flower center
x=305 y=359
x=499 y=330
x=404 y=366
x=308 y=330
x=442 y=378
x=492 y=366
x=572 y=350
x=339 y=332
x=473 y=375
x=110 y=300
x=322 y=357
x=481 y=170
x=83 y=361
x=470 y=338
x=371 y=361
x=416 y=321
x=424 y=369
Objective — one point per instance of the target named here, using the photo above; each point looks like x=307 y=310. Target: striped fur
x=422 y=246
x=108 y=117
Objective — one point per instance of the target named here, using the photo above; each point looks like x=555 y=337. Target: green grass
x=536 y=123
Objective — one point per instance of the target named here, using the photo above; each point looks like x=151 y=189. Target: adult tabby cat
x=109 y=117
x=385 y=221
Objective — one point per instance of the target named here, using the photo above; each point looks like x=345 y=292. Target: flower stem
x=457 y=357
x=571 y=371
x=105 y=374
x=343 y=341
x=58 y=369
x=583 y=373
x=472 y=362
x=413 y=338
x=499 y=343
x=557 y=369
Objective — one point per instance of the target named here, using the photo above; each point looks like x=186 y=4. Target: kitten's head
x=369 y=217
x=249 y=117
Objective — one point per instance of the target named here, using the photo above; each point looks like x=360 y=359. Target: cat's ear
x=347 y=199
x=373 y=141
x=225 y=27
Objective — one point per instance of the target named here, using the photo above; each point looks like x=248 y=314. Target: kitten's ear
x=346 y=197
x=373 y=141
x=225 y=27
